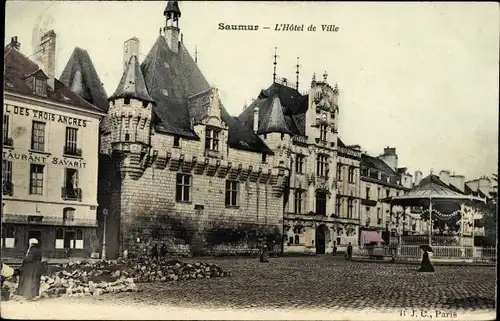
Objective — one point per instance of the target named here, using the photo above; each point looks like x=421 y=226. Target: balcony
x=8 y=141
x=71 y=194
x=7 y=188
x=72 y=151
x=368 y=202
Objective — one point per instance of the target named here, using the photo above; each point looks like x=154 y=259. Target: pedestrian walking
x=334 y=249
x=163 y=250
x=426 y=265
x=264 y=258
x=31 y=271
x=154 y=252
x=349 y=251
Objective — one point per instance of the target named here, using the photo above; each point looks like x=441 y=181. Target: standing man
x=349 y=251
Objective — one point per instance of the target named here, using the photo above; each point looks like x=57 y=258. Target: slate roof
x=181 y=95
x=132 y=83
x=18 y=67
x=432 y=185
x=281 y=110
x=80 y=75
x=368 y=161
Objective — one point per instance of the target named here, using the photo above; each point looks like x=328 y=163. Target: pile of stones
x=97 y=278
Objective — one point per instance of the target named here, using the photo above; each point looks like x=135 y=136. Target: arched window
x=59 y=238
x=68 y=214
x=79 y=239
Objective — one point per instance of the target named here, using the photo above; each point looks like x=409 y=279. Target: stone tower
x=172 y=14
x=130 y=116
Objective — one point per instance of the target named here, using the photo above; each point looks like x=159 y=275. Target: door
x=320 y=239
x=69 y=240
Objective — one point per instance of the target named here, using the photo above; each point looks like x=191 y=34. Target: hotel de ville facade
x=166 y=163
x=176 y=168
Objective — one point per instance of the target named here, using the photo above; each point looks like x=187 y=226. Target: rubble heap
x=96 y=278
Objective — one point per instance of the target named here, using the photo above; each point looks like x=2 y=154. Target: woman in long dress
x=426 y=265
x=31 y=271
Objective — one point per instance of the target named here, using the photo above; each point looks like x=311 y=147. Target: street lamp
x=105 y=213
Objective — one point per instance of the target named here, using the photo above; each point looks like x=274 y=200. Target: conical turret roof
x=132 y=84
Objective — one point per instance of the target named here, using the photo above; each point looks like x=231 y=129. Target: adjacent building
x=321 y=201
x=381 y=178
x=49 y=157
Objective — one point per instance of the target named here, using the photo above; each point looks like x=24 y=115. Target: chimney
x=444 y=176
x=46 y=56
x=14 y=43
x=390 y=157
x=130 y=48
x=418 y=177
x=458 y=181
x=256 y=119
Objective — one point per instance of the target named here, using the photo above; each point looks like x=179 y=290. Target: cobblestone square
x=323 y=282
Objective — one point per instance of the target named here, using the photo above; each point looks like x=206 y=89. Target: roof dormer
x=37 y=82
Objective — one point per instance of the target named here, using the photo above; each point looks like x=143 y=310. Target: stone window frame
x=71 y=140
x=323 y=132
x=350 y=207
x=212 y=138
x=183 y=187
x=299 y=197
x=38 y=136
x=322 y=165
x=232 y=194
x=367 y=192
x=37 y=172
x=177 y=142
x=69 y=214
x=299 y=163
x=338 y=205
x=339 y=172
x=350 y=175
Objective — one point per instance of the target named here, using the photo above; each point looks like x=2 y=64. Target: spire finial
x=196 y=54
x=297 y=72
x=314 y=78
x=325 y=76
x=275 y=63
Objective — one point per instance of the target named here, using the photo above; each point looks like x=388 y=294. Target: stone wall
x=143 y=208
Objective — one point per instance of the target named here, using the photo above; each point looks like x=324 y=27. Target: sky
x=420 y=77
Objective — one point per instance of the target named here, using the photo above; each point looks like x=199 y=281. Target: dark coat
x=426 y=265
x=31 y=271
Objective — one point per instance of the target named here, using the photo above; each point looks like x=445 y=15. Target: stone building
x=175 y=167
x=382 y=178
x=321 y=202
x=50 y=157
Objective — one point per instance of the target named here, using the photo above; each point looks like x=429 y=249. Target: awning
x=367 y=237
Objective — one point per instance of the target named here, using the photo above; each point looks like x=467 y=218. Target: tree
x=489 y=220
